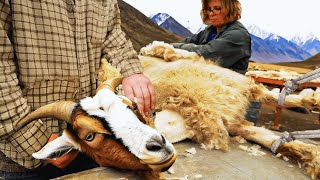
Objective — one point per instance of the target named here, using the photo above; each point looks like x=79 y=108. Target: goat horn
x=61 y=110
x=111 y=84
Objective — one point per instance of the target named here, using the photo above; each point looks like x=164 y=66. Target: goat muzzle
x=163 y=166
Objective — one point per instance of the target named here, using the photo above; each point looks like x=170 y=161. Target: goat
x=103 y=127
x=198 y=100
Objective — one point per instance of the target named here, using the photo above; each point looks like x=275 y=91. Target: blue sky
x=283 y=17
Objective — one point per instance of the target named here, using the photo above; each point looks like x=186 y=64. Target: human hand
x=65 y=160
x=139 y=86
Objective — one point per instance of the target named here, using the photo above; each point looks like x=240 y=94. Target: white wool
x=191 y=150
x=159 y=43
x=148 y=50
x=276 y=90
x=89 y=104
x=154 y=44
x=283 y=75
x=317 y=93
x=99 y=104
x=172 y=126
x=308 y=92
x=253 y=150
x=92 y=107
x=185 y=54
x=105 y=97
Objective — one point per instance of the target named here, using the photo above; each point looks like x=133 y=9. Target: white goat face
x=143 y=141
x=120 y=126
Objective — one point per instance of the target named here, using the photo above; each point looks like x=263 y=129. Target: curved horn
x=61 y=110
x=110 y=84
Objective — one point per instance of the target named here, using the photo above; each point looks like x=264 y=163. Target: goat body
x=199 y=100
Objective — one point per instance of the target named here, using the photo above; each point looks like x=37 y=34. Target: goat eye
x=90 y=136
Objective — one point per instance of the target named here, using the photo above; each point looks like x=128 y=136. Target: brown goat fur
x=307 y=154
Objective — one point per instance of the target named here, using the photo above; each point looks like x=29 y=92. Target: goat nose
x=153 y=147
x=163 y=139
x=156 y=144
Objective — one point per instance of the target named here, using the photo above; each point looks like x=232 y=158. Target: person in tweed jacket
x=50 y=50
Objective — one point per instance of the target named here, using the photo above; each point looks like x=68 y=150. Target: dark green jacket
x=231 y=48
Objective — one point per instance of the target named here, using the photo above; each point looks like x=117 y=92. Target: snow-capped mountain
x=312 y=46
x=270 y=47
x=310 y=43
x=287 y=48
x=273 y=37
x=160 y=18
x=298 y=40
x=262 y=52
x=276 y=49
x=301 y=40
x=255 y=30
x=169 y=23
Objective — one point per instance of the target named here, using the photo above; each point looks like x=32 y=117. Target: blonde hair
x=232 y=8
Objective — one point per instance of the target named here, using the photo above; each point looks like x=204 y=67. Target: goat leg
x=308 y=155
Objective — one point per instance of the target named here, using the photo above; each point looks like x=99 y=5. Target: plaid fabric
x=50 y=50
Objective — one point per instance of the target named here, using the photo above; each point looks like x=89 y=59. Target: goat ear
x=57 y=148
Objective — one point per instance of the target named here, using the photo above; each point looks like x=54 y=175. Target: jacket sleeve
x=117 y=49
x=195 y=39
x=226 y=50
x=13 y=106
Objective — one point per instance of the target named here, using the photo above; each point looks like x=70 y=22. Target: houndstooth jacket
x=50 y=50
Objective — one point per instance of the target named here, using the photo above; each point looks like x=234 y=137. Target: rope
x=287 y=137
x=291 y=85
x=309 y=134
x=308 y=76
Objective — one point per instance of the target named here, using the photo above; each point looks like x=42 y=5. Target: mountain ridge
x=311 y=63
x=166 y=21
x=140 y=29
